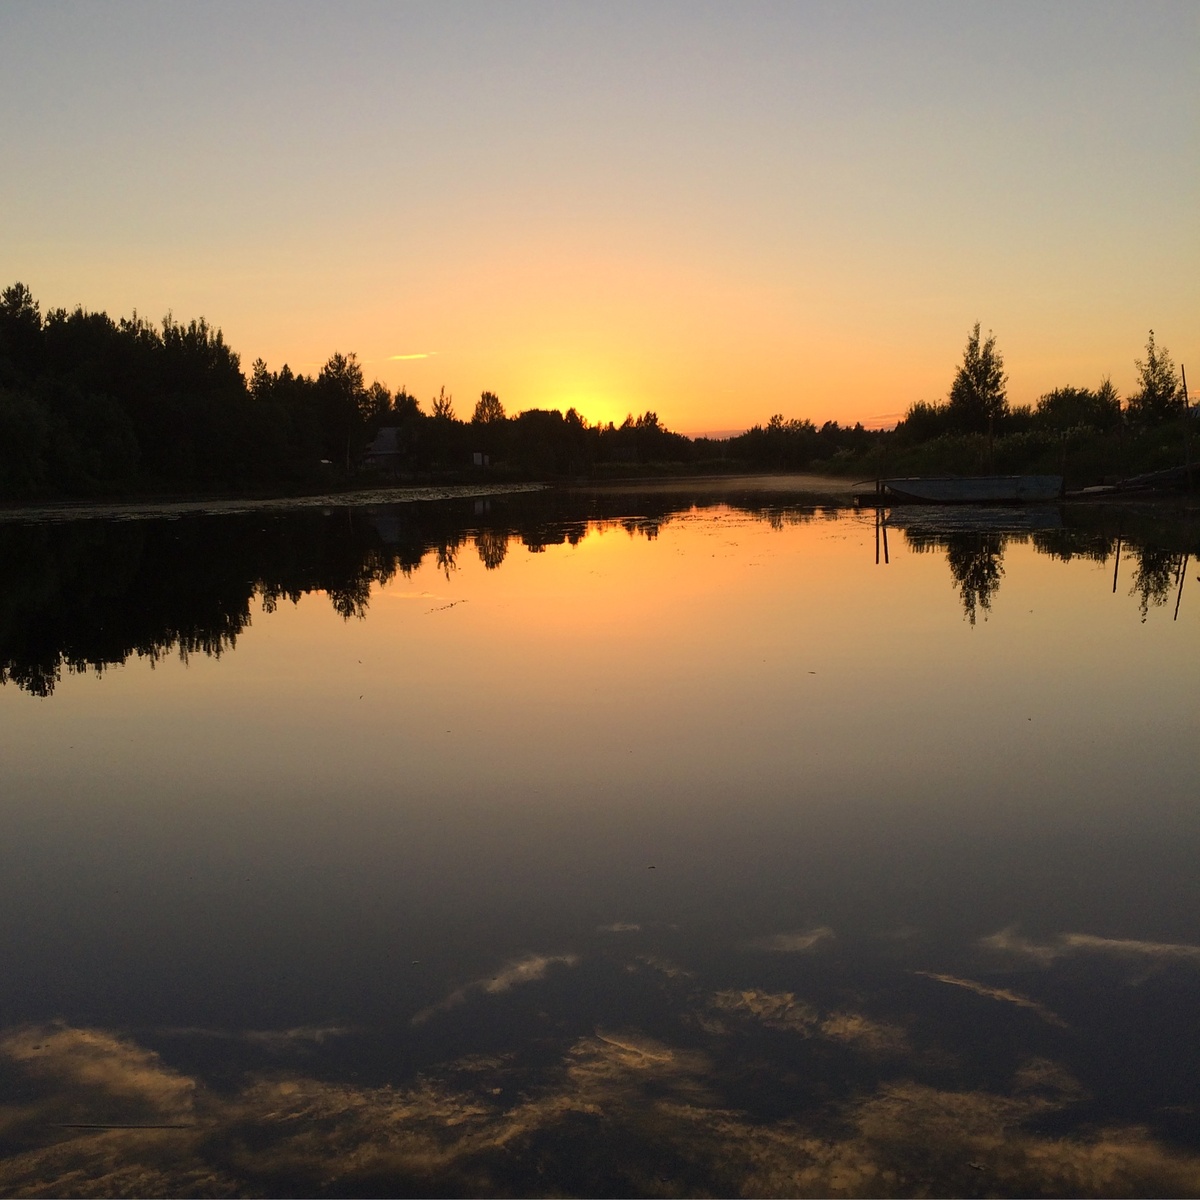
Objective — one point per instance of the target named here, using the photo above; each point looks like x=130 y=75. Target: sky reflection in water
x=692 y=852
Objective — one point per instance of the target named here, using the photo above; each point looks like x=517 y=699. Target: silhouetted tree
x=488 y=410
x=1074 y=407
x=376 y=404
x=1160 y=395
x=977 y=395
x=924 y=421
x=197 y=357
x=443 y=406
x=261 y=381
x=404 y=406
x=784 y=445
x=20 y=334
x=342 y=398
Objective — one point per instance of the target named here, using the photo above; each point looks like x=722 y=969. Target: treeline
x=796 y=445
x=536 y=443
x=92 y=406
x=96 y=407
x=1088 y=434
x=978 y=399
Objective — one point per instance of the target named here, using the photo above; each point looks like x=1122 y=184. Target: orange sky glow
x=712 y=212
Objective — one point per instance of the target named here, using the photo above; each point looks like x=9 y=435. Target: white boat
x=975 y=489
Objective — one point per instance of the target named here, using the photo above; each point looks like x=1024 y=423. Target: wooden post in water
x=1117 y=565
x=877 y=512
x=1187 y=432
x=1179 y=594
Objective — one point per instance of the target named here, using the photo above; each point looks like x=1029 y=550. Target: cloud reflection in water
x=1010 y=942
x=617 y=1111
x=524 y=970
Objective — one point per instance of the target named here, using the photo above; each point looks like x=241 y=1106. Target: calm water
x=658 y=844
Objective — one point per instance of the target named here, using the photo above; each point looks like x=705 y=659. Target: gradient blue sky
x=713 y=211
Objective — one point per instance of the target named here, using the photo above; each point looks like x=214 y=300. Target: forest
x=96 y=407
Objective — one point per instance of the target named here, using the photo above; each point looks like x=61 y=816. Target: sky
x=712 y=211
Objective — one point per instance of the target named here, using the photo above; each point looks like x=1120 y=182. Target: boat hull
x=977 y=489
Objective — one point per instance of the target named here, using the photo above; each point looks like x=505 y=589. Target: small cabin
x=383 y=453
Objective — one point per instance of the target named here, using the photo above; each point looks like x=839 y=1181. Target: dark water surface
x=651 y=844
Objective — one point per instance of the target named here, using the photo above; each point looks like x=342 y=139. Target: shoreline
x=134 y=510
x=176 y=506
x=831 y=491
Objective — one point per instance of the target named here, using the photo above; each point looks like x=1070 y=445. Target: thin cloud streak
x=1132 y=947
x=793 y=943
x=524 y=970
x=1002 y=994
x=1010 y=942
x=276 y=1040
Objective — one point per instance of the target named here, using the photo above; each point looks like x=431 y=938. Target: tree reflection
x=86 y=595
x=975 y=558
x=447 y=557
x=1066 y=544
x=1154 y=577
x=492 y=546
x=975 y=541
x=976 y=562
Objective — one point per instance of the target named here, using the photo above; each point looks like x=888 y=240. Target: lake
x=660 y=841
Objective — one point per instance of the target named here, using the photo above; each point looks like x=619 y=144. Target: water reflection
x=976 y=562
x=631 y=844
x=975 y=540
x=930 y=1084
x=87 y=595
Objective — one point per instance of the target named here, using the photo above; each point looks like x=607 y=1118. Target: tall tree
x=977 y=395
x=341 y=400
x=1160 y=395
x=488 y=410
x=20 y=332
x=443 y=405
x=405 y=406
x=376 y=403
